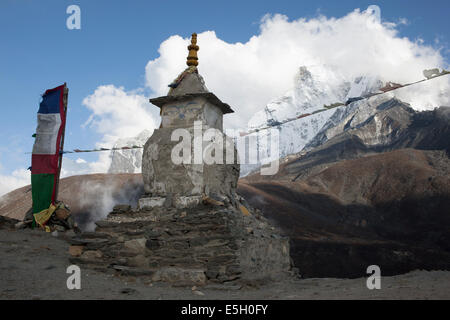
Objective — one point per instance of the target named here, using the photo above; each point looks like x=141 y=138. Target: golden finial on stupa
x=192 y=59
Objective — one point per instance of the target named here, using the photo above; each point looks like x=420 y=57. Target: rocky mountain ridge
x=374 y=187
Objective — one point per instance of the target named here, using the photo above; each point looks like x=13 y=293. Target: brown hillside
x=356 y=211
x=95 y=194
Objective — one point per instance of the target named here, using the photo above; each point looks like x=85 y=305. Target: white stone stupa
x=192 y=130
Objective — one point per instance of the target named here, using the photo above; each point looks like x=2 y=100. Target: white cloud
x=17 y=179
x=403 y=21
x=75 y=167
x=248 y=75
x=118 y=113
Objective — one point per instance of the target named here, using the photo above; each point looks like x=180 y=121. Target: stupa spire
x=192 y=59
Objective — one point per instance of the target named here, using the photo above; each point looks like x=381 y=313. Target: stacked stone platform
x=192 y=246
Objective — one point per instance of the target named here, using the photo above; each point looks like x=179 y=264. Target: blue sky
x=118 y=38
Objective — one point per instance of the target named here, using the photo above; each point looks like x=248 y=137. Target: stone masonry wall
x=206 y=244
x=162 y=177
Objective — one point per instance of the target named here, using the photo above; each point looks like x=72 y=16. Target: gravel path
x=33 y=266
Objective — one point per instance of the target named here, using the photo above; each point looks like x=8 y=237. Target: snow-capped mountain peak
x=312 y=90
x=129 y=160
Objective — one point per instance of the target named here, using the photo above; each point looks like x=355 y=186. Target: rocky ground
x=33 y=266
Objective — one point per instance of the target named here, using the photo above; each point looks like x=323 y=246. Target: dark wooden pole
x=61 y=148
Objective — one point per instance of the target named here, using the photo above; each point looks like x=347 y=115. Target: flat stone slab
x=187 y=201
x=151 y=202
